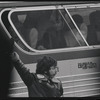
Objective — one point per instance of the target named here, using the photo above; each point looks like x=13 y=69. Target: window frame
x=7 y=32
x=66 y=7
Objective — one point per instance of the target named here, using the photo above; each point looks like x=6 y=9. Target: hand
x=15 y=57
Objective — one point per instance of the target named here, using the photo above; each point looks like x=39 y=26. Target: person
x=33 y=39
x=69 y=37
x=53 y=37
x=81 y=25
x=42 y=83
x=31 y=32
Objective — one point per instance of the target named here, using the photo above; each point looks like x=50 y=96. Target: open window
x=46 y=28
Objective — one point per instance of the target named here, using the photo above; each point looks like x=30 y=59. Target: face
x=53 y=71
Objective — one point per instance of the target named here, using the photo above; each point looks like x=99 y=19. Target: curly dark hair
x=78 y=19
x=44 y=64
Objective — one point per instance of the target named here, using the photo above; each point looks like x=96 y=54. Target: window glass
x=90 y=26
x=73 y=34
x=47 y=29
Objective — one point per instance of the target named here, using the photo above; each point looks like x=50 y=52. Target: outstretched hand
x=15 y=57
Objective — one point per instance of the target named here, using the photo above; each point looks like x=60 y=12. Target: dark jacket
x=38 y=87
x=53 y=39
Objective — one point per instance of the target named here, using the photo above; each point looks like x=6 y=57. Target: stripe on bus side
x=66 y=55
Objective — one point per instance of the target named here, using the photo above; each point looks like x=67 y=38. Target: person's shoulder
x=34 y=30
x=41 y=77
x=83 y=26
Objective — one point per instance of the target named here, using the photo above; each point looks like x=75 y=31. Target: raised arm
x=24 y=73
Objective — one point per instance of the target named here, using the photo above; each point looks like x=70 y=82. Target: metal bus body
x=79 y=66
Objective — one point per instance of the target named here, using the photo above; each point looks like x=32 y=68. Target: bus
x=51 y=29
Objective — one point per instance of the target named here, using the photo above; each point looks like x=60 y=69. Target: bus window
x=74 y=35
x=91 y=19
x=47 y=29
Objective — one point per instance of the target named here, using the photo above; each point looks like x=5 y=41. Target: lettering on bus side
x=86 y=65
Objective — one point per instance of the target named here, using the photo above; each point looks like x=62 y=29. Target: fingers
x=15 y=57
x=14 y=53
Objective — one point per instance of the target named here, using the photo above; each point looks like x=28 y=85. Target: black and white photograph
x=49 y=49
